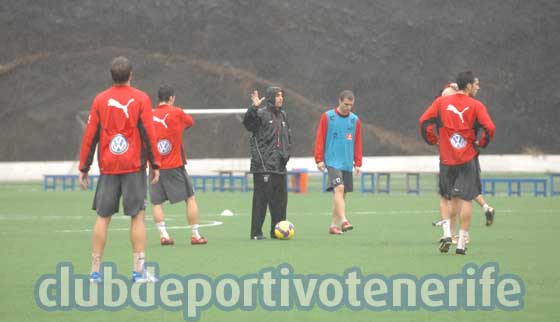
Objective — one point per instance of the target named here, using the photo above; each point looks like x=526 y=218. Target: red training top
x=457 y=118
x=120 y=121
x=169 y=124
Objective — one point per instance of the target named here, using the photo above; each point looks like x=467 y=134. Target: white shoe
x=145 y=277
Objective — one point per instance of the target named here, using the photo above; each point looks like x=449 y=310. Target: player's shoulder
x=471 y=101
x=103 y=94
x=329 y=112
x=139 y=93
x=177 y=110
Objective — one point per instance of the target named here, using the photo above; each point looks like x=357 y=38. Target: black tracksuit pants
x=269 y=190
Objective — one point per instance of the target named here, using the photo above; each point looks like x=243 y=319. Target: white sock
x=95 y=262
x=485 y=207
x=139 y=262
x=446 y=226
x=463 y=235
x=343 y=219
x=333 y=225
x=162 y=231
x=194 y=229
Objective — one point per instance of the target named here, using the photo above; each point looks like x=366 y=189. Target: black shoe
x=258 y=237
x=444 y=244
x=460 y=251
x=273 y=236
x=489 y=216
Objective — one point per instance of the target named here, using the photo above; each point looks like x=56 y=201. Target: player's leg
x=465 y=214
x=183 y=188
x=260 y=203
x=446 y=180
x=134 y=187
x=106 y=203
x=138 y=240
x=339 y=206
x=99 y=240
x=278 y=200
x=192 y=218
x=158 y=196
x=466 y=190
x=348 y=180
x=489 y=212
x=159 y=219
x=336 y=185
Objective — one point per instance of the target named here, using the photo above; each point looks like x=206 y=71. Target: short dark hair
x=346 y=94
x=120 y=70
x=165 y=92
x=465 y=78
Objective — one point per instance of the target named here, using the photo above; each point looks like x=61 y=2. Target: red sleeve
x=146 y=117
x=427 y=123
x=320 y=139
x=91 y=137
x=488 y=127
x=187 y=120
x=358 y=145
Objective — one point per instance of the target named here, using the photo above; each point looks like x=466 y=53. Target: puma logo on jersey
x=453 y=109
x=114 y=103
x=162 y=121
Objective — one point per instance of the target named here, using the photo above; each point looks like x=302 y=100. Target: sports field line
x=175 y=216
x=211 y=223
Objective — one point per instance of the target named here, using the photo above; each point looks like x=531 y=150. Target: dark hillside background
x=395 y=55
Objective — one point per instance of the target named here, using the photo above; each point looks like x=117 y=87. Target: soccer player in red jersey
x=174 y=183
x=456 y=118
x=120 y=125
x=489 y=212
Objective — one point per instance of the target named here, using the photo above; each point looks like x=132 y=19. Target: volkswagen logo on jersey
x=457 y=141
x=119 y=144
x=164 y=147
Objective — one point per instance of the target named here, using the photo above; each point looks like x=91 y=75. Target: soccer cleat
x=145 y=277
x=489 y=216
x=455 y=239
x=437 y=223
x=346 y=226
x=444 y=244
x=460 y=251
x=335 y=231
x=199 y=241
x=166 y=241
x=95 y=277
x=258 y=237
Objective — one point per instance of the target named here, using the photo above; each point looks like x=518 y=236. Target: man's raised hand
x=255 y=98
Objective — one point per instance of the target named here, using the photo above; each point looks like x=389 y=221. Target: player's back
x=458 y=115
x=119 y=111
x=169 y=124
x=458 y=111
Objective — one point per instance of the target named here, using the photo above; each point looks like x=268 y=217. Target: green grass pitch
x=392 y=235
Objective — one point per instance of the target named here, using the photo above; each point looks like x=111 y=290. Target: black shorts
x=340 y=177
x=479 y=182
x=110 y=187
x=462 y=181
x=174 y=185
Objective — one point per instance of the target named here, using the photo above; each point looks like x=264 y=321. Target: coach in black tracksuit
x=270 y=151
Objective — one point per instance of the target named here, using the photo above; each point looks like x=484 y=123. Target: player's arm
x=252 y=121
x=428 y=122
x=320 y=142
x=89 y=143
x=358 y=147
x=187 y=120
x=147 y=132
x=486 y=125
